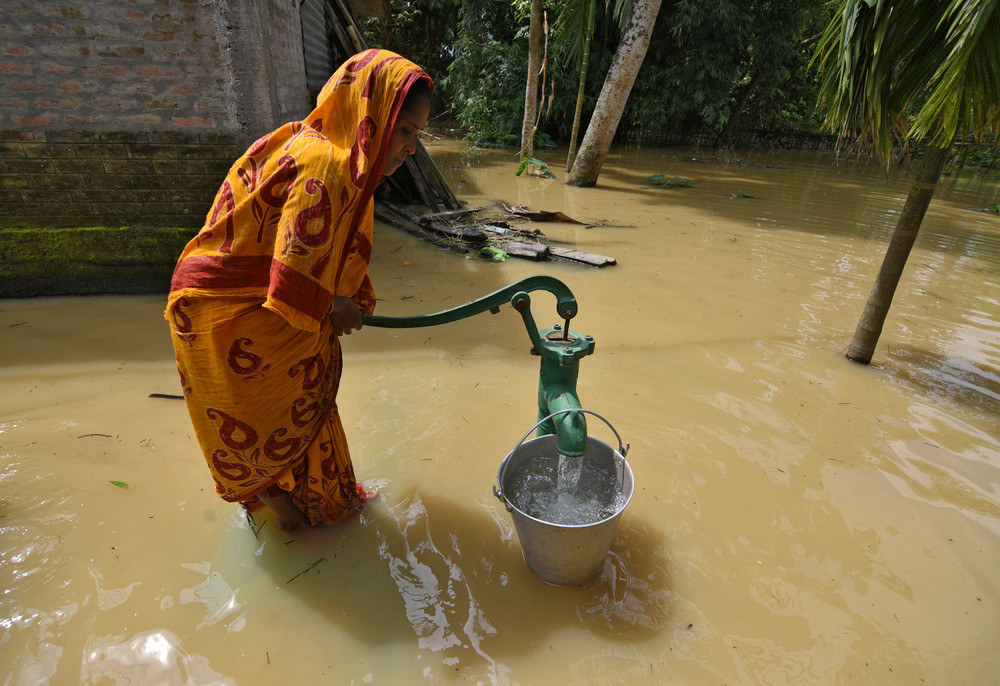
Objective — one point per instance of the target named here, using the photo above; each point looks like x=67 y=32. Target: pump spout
x=570 y=428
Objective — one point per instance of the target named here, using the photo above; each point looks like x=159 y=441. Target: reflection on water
x=216 y=595
x=796 y=518
x=440 y=603
x=150 y=657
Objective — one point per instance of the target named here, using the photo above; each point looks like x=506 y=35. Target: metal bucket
x=565 y=554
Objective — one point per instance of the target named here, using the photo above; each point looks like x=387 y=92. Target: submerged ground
x=797 y=518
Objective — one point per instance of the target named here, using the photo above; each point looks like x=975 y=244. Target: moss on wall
x=89 y=260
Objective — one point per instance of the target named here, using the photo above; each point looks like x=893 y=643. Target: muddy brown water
x=797 y=518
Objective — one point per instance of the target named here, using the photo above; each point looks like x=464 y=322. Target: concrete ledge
x=88 y=261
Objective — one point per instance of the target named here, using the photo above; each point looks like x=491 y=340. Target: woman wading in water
x=260 y=297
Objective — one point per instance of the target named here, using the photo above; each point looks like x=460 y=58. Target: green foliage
x=983 y=158
x=422 y=30
x=725 y=65
x=754 y=75
x=544 y=140
x=538 y=168
x=486 y=79
x=742 y=194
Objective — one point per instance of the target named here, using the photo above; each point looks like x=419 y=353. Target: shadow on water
x=451 y=576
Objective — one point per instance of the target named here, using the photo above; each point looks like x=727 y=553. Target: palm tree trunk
x=617 y=86
x=531 y=89
x=873 y=318
x=584 y=61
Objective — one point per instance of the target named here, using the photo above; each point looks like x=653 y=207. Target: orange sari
x=290 y=228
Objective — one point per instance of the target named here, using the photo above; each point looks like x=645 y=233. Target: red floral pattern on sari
x=244 y=362
x=360 y=149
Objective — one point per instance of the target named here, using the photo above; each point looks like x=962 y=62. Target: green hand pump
x=559 y=348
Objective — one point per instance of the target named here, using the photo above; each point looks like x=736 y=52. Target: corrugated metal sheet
x=317 y=23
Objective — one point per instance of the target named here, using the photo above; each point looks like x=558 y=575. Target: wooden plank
x=420 y=182
x=450 y=214
x=461 y=233
x=528 y=251
x=502 y=228
x=584 y=257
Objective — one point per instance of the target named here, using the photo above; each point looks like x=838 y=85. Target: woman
x=261 y=295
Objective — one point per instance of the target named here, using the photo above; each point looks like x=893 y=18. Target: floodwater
x=797 y=518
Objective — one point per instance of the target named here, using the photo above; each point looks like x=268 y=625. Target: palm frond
x=879 y=59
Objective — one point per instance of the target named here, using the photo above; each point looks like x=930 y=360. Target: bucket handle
x=622 y=448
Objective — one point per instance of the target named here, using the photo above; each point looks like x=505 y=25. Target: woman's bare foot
x=289 y=517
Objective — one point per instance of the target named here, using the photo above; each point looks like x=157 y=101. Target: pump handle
x=565 y=305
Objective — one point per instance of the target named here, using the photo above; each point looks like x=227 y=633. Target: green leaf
x=543 y=168
x=119 y=484
x=686 y=182
x=655 y=177
x=742 y=194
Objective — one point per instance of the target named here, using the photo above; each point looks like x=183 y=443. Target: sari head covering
x=290 y=228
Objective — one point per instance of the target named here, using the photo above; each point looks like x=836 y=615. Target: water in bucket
x=566 y=490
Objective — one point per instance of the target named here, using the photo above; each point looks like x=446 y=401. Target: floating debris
x=493 y=254
x=537 y=216
x=662 y=181
x=475 y=234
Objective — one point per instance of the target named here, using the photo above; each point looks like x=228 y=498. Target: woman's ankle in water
x=288 y=517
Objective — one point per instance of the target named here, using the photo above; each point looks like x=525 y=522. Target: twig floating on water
x=89 y=435
x=322 y=559
x=168 y=396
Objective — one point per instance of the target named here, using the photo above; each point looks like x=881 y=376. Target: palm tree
x=917 y=69
x=574 y=31
x=587 y=14
x=531 y=89
x=614 y=94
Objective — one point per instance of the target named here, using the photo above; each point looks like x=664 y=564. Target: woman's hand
x=345 y=316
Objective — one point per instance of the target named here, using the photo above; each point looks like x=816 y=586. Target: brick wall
x=66 y=178
x=107 y=65
x=129 y=112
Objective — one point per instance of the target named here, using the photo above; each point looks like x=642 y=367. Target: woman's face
x=403 y=140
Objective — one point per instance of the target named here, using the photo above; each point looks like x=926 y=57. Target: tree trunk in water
x=873 y=318
x=584 y=61
x=531 y=90
x=617 y=86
